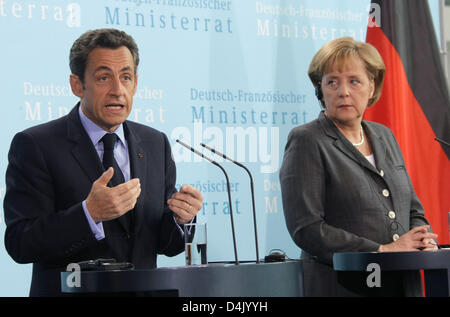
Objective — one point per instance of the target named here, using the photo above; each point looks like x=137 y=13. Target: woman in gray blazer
x=343 y=180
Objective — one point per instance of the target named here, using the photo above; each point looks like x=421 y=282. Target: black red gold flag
x=415 y=102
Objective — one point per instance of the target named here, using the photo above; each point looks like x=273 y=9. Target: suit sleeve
x=417 y=214
x=36 y=232
x=171 y=237
x=303 y=186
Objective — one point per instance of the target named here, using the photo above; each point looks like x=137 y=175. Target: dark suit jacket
x=51 y=170
x=334 y=200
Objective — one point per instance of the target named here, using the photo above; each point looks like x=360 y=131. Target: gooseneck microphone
x=442 y=141
x=252 y=192
x=228 y=190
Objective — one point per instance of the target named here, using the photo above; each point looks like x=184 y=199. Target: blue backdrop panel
x=228 y=73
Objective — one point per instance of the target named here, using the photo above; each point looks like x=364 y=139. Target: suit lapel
x=83 y=149
x=345 y=146
x=378 y=146
x=138 y=166
x=339 y=142
x=380 y=152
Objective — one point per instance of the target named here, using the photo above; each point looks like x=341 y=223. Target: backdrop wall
x=228 y=73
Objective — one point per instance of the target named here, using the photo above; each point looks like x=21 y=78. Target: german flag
x=415 y=102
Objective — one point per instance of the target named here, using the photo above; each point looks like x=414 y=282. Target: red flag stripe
x=400 y=111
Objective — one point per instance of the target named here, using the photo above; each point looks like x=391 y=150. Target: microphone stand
x=228 y=190
x=252 y=192
x=442 y=141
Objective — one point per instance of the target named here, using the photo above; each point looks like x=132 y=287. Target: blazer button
x=391 y=214
x=385 y=193
x=395 y=237
x=381 y=173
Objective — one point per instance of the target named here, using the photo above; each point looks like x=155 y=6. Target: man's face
x=109 y=86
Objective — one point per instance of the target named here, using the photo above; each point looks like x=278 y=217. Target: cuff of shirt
x=181 y=227
x=96 y=228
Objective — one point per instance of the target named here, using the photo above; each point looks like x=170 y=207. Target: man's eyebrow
x=125 y=69
x=102 y=68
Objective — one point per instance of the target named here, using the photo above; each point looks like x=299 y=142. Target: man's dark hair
x=105 y=38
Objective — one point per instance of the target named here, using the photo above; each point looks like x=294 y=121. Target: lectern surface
x=435 y=264
x=213 y=280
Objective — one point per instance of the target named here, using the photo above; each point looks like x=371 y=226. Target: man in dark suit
x=71 y=196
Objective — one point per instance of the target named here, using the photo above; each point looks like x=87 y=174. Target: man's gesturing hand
x=107 y=203
x=186 y=203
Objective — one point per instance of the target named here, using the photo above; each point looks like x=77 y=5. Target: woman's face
x=346 y=93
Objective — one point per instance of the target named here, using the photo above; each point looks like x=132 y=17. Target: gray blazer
x=335 y=200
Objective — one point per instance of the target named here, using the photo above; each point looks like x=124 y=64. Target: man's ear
x=76 y=85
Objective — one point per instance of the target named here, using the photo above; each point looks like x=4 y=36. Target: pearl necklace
x=362 y=139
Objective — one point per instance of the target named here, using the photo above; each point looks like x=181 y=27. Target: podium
x=436 y=266
x=281 y=279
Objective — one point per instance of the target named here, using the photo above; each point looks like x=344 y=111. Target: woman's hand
x=416 y=239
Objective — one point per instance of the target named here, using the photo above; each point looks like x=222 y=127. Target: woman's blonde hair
x=337 y=52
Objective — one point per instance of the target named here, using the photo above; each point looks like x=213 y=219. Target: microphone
x=228 y=189
x=252 y=192
x=442 y=141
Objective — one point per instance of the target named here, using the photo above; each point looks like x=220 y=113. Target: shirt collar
x=95 y=132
